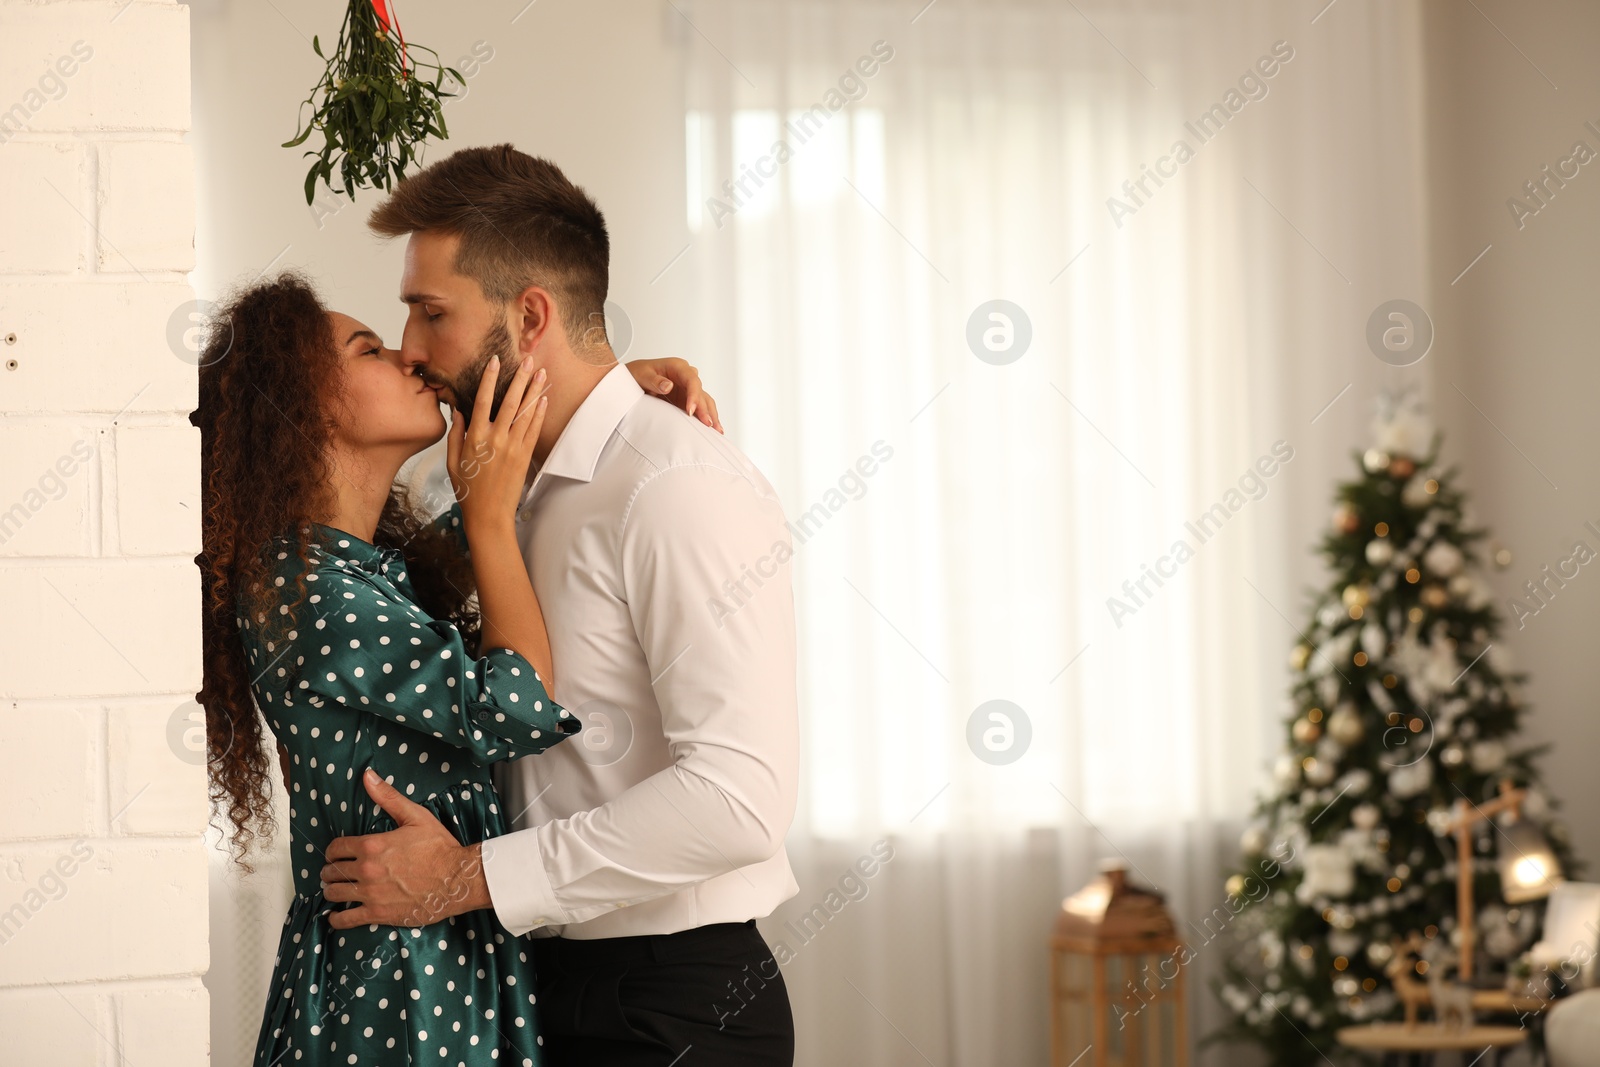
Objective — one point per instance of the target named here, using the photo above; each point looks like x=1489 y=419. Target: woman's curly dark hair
x=269 y=374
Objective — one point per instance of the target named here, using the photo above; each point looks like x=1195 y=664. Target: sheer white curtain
x=964 y=513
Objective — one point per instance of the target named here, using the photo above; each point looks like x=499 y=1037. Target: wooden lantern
x=1529 y=869
x=1116 y=977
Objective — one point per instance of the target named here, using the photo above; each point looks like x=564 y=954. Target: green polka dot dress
x=360 y=676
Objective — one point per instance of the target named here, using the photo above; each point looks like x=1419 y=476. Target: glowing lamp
x=1529 y=869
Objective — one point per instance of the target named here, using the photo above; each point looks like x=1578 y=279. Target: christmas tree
x=1404 y=703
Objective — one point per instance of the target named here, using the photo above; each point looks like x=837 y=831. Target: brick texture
x=103 y=866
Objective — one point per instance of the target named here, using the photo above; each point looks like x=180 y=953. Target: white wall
x=102 y=869
x=1515 y=349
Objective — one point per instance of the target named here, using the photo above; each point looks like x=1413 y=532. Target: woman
x=347 y=618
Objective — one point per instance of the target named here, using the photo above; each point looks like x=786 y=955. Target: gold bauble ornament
x=1305 y=731
x=1345 y=726
x=1434 y=596
x=1235 y=886
x=1402 y=467
x=1299 y=656
x=1318 y=771
x=1357 y=596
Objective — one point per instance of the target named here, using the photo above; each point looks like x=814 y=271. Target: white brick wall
x=103 y=901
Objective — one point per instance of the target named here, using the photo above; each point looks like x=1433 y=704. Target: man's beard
x=496 y=342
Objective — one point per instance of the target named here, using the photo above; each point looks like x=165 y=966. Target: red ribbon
x=391 y=23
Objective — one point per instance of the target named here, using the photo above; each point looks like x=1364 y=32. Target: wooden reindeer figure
x=1402 y=970
x=1452 y=1003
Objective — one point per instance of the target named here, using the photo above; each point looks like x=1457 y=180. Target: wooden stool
x=1422 y=1041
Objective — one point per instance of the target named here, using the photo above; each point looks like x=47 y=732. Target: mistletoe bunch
x=375 y=104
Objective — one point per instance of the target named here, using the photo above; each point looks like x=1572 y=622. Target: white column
x=102 y=791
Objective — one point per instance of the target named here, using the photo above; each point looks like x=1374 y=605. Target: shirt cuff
x=519 y=888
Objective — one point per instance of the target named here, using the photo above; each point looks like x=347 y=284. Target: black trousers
x=706 y=997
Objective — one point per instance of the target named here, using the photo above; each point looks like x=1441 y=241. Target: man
x=650 y=844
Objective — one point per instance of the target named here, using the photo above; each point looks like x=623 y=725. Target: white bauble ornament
x=1355 y=781
x=1329 y=873
x=1502 y=942
x=1501 y=939
x=1344 y=725
x=1344 y=943
x=1415 y=494
x=1443 y=668
x=1286 y=772
x=1365 y=816
x=1448 y=712
x=1442 y=559
x=1319 y=771
x=1253 y=841
x=1488 y=756
x=1362 y=847
x=1380 y=551
x=1374 y=640
x=1328 y=687
x=1375 y=460
x=1411 y=780
x=1271 y=948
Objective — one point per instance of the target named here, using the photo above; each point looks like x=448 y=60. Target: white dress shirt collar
x=577 y=450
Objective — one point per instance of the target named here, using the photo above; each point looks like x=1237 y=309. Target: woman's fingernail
x=372 y=776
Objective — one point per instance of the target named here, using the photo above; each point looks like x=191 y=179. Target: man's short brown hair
x=521 y=223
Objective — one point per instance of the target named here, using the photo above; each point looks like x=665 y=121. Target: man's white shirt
x=659 y=554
